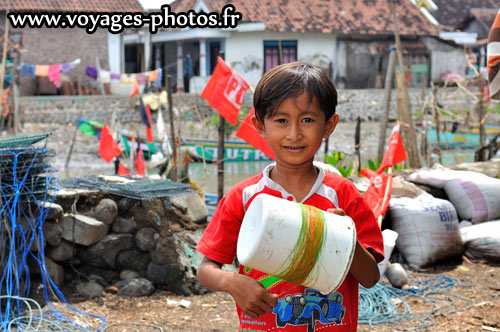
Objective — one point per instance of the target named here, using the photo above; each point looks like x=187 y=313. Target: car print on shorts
x=308 y=308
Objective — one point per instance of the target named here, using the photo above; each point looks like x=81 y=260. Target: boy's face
x=295 y=132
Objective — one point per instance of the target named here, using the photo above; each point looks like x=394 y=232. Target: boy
x=294 y=111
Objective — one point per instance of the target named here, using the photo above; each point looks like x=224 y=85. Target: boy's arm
x=248 y=293
x=364 y=266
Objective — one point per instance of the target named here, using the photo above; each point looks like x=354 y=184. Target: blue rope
x=387 y=306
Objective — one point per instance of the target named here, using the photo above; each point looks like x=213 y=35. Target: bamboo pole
x=4 y=57
x=437 y=122
x=172 y=130
x=220 y=153
x=389 y=76
x=407 y=127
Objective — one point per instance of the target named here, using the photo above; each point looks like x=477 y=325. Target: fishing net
x=26 y=179
x=139 y=188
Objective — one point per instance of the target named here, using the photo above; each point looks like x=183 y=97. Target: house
x=57 y=45
x=466 y=22
x=348 y=38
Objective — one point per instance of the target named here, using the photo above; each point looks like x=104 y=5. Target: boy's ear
x=259 y=126
x=331 y=124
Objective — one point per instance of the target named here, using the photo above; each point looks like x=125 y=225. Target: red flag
x=249 y=133
x=135 y=90
x=225 y=91
x=149 y=130
x=122 y=170
x=140 y=165
x=395 y=152
x=378 y=194
x=108 y=148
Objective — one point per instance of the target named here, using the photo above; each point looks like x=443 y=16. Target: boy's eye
x=307 y=120
x=280 y=120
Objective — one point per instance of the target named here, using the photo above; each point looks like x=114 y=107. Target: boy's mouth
x=294 y=148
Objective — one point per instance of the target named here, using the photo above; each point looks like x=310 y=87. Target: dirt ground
x=216 y=311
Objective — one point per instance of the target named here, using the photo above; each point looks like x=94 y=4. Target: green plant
x=335 y=158
x=213 y=121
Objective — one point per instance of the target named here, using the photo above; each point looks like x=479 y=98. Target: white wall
x=245 y=51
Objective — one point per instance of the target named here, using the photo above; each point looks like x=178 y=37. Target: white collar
x=270 y=183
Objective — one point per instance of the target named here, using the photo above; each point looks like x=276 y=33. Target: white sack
x=475 y=196
x=427 y=228
x=482 y=241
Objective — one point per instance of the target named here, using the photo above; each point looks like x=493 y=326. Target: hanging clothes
x=115 y=76
x=142 y=78
x=159 y=79
x=127 y=79
x=65 y=67
x=91 y=72
x=105 y=76
x=41 y=70
x=55 y=74
x=152 y=75
x=28 y=69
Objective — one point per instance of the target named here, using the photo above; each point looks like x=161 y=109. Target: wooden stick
x=386 y=195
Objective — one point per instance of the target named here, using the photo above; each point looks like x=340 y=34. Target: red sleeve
x=219 y=240
x=367 y=228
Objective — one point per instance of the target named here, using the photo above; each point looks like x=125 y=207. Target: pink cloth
x=55 y=74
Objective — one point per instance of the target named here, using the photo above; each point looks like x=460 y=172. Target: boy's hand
x=251 y=296
x=339 y=212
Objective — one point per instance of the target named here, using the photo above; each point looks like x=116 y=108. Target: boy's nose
x=294 y=132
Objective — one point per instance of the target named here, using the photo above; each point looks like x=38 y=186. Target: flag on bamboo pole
x=249 y=133
x=395 y=152
x=140 y=165
x=135 y=90
x=145 y=114
x=378 y=194
x=225 y=91
x=108 y=148
x=494 y=58
x=89 y=127
x=122 y=170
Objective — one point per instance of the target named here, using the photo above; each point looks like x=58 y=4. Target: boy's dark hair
x=290 y=81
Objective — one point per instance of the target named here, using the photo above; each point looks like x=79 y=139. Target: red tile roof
x=72 y=5
x=451 y=13
x=365 y=17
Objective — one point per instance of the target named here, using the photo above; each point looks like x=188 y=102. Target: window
x=272 y=56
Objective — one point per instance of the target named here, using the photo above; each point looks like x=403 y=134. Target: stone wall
x=124 y=245
x=367 y=103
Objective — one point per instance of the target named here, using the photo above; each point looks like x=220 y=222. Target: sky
x=153 y=4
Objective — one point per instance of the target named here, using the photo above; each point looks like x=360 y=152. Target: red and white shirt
x=220 y=239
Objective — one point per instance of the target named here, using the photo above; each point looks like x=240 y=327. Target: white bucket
x=273 y=235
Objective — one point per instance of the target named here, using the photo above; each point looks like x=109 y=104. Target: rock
x=135 y=287
x=142 y=217
x=155 y=205
x=146 y=238
x=190 y=207
x=55 y=210
x=129 y=274
x=169 y=275
x=83 y=230
x=165 y=251
x=103 y=253
x=396 y=275
x=106 y=211
x=90 y=289
x=98 y=274
x=124 y=225
x=56 y=272
x=126 y=204
x=62 y=252
x=134 y=260
x=52 y=233
x=98 y=279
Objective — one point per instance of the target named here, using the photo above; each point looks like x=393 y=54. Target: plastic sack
x=475 y=196
x=482 y=241
x=427 y=227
